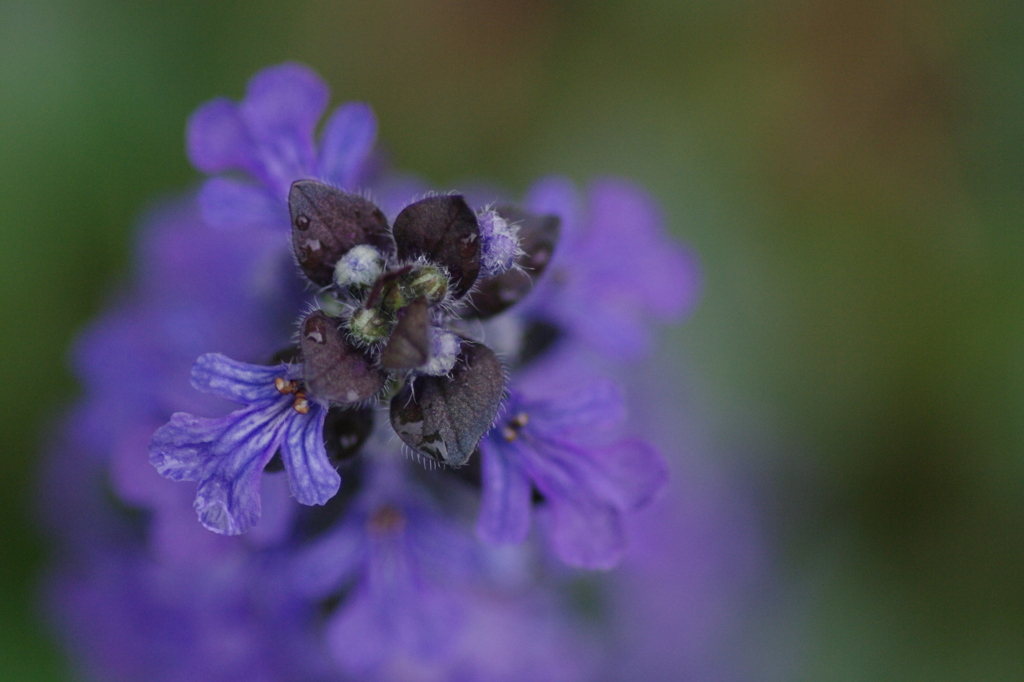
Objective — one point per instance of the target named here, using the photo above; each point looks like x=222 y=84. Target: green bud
x=393 y=298
x=369 y=326
x=427 y=281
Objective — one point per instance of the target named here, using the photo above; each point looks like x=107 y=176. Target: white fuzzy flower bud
x=444 y=351
x=499 y=244
x=359 y=267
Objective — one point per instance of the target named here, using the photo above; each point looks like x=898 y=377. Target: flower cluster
x=349 y=341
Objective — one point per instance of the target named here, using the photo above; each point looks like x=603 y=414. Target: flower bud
x=444 y=351
x=427 y=281
x=499 y=245
x=359 y=267
x=369 y=326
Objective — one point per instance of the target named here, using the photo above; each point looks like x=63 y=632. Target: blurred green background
x=851 y=173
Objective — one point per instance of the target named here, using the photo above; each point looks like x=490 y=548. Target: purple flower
x=408 y=567
x=227 y=455
x=269 y=136
x=551 y=444
x=614 y=271
x=129 y=618
x=420 y=300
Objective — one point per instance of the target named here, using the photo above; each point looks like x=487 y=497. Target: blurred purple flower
x=548 y=444
x=269 y=136
x=406 y=567
x=129 y=618
x=614 y=271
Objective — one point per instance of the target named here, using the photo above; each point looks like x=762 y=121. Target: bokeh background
x=851 y=173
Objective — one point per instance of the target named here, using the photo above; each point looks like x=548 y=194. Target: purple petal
x=597 y=406
x=237 y=381
x=614 y=327
x=627 y=229
x=348 y=139
x=288 y=96
x=281 y=108
x=627 y=475
x=226 y=456
x=226 y=506
x=181 y=449
x=228 y=203
x=392 y=615
x=312 y=478
x=441 y=548
x=322 y=567
x=631 y=473
x=556 y=196
x=586 y=533
x=585 y=524
x=277 y=513
x=229 y=507
x=505 y=502
x=681 y=286
x=217 y=139
x=619 y=268
x=359 y=636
